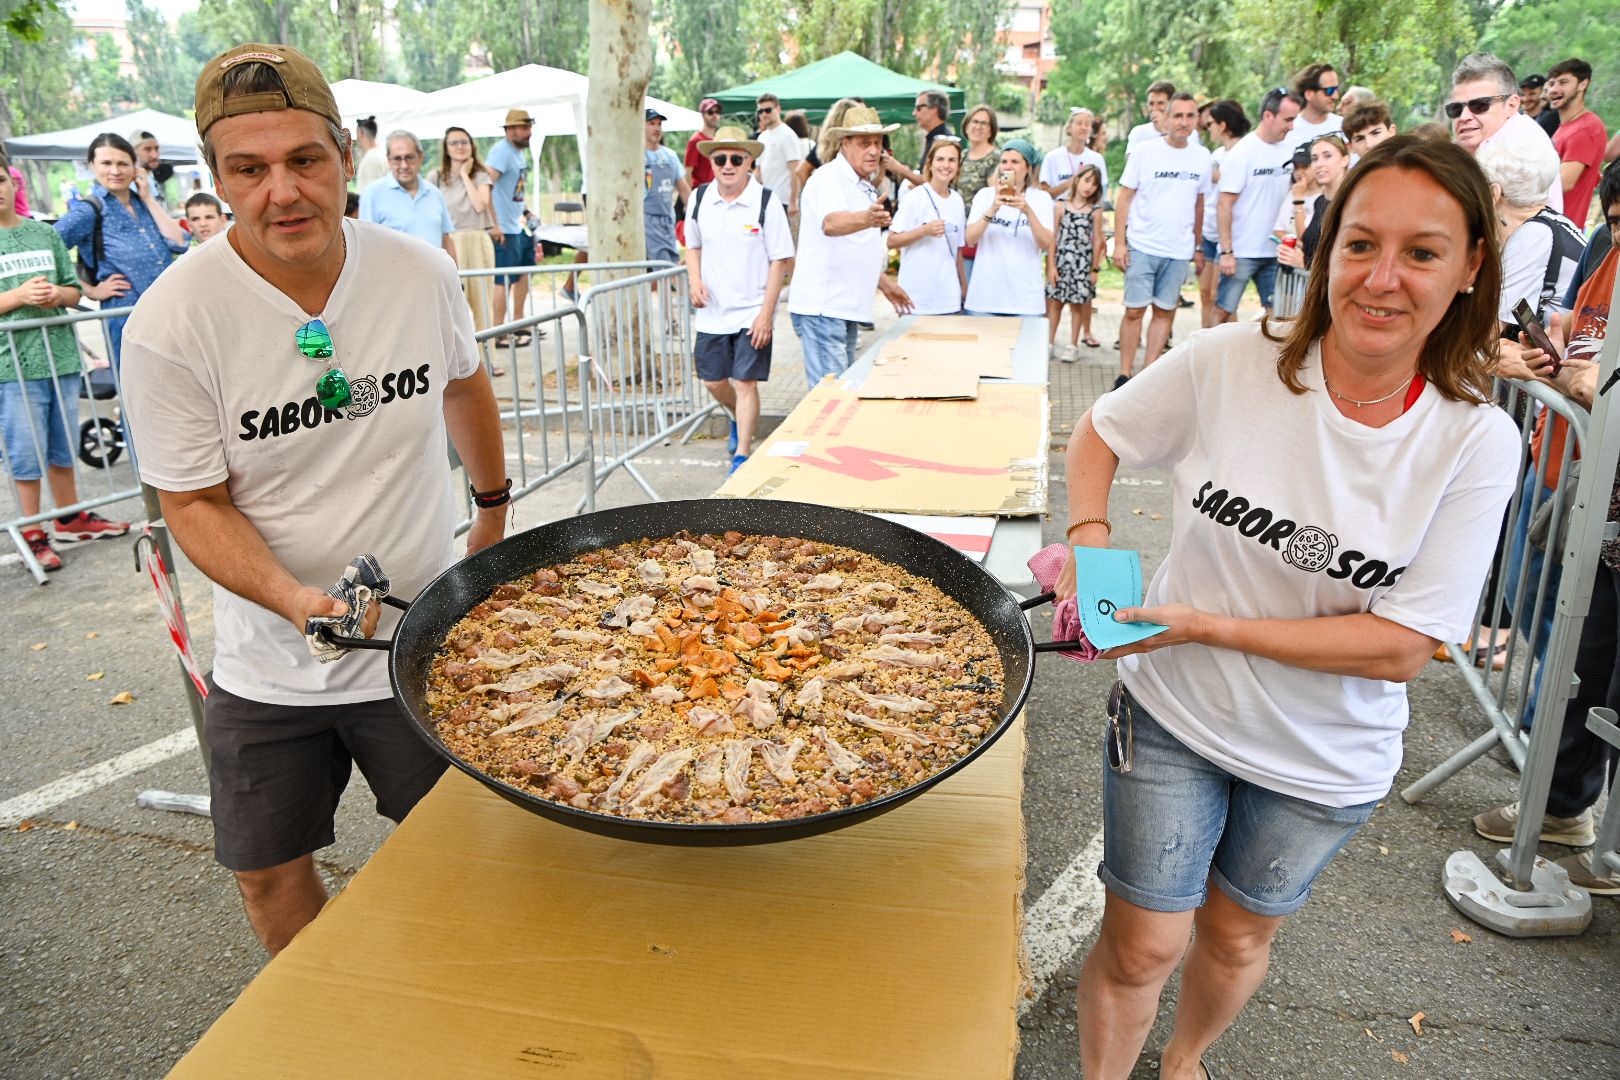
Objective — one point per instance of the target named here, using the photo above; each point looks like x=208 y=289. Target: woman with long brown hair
x=466 y=185
x=1338 y=492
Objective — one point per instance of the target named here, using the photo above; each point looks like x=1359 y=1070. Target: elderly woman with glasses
x=1339 y=480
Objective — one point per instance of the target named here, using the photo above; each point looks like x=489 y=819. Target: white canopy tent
x=175 y=134
x=357 y=98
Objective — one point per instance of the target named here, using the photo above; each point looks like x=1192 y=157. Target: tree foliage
x=1535 y=34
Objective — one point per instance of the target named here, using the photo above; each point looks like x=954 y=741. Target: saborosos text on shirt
x=308 y=413
x=1304 y=547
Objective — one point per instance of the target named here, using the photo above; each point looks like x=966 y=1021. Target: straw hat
x=731 y=138
x=517 y=116
x=862 y=120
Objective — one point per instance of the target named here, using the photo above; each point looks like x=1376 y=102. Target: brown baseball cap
x=302 y=86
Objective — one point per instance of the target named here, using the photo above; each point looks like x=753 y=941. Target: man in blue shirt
x=663 y=179
x=509 y=164
x=403 y=201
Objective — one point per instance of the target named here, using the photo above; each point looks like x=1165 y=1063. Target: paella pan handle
x=1049 y=646
x=375 y=644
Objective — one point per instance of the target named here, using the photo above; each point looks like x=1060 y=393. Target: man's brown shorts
x=278 y=770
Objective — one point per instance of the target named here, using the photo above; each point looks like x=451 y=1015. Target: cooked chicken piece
x=921 y=637
x=898 y=703
x=759 y=712
x=779 y=759
x=842 y=760
x=527 y=715
x=876 y=587
x=632 y=607
x=850 y=669
x=769 y=568
x=666 y=694
x=521 y=617
x=608 y=662
x=641 y=754
x=888 y=654
x=660 y=776
x=709 y=722
x=643 y=629
x=700 y=583
x=527 y=679
x=761 y=688
x=588 y=637
x=753 y=603
x=558 y=673
x=797 y=635
x=709 y=767
x=880 y=622
x=578 y=740
x=886 y=729
x=823 y=583
x=701 y=558
x=809 y=693
x=611 y=688
x=739 y=752
x=501 y=661
x=849 y=624
x=556 y=602
x=650 y=572
x=591 y=587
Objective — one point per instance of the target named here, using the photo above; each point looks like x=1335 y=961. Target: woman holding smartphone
x=1011 y=223
x=1338 y=478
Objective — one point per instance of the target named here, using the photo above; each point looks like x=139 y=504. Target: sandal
x=1496 y=656
x=1091 y=343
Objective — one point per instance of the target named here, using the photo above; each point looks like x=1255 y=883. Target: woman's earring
x=1469 y=290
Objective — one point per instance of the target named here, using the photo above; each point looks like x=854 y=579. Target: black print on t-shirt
x=1177 y=174
x=308 y=414
x=1309 y=548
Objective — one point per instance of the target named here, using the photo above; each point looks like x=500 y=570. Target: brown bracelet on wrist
x=1104 y=522
x=489 y=500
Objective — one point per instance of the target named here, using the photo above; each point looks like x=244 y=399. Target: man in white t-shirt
x=1256 y=176
x=290 y=388
x=842 y=254
x=1318 y=87
x=1158 y=218
x=1158 y=98
x=781 y=151
x=1059 y=167
x=1484 y=107
x=738 y=251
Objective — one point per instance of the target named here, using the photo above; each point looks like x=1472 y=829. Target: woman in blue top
x=138 y=237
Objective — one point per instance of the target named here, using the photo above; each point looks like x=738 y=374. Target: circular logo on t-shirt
x=365 y=397
x=1310 y=549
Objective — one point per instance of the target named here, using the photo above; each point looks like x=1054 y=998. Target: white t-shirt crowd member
x=737 y=254
x=1526 y=257
x=836 y=276
x=1059 y=167
x=782 y=150
x=1304 y=132
x=1168 y=183
x=1261 y=174
x=1007 y=272
x=1298 y=511
x=928 y=266
x=219 y=392
x=1141 y=133
x=1212 y=194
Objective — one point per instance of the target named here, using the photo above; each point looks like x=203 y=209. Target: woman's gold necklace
x=1374 y=401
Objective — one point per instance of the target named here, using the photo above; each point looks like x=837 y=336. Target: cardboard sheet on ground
x=984 y=457
x=483 y=941
x=1107 y=579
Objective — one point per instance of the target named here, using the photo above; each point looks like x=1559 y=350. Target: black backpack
x=87 y=271
x=697 y=201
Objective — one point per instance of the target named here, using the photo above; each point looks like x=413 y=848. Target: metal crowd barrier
x=98 y=441
x=1290 y=292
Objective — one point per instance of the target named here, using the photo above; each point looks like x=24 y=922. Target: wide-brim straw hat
x=515 y=117
x=862 y=120
x=731 y=138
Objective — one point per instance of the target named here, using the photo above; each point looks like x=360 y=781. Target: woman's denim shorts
x=1178 y=821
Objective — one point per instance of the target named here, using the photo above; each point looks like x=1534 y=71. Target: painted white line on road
x=85 y=781
x=1064 y=916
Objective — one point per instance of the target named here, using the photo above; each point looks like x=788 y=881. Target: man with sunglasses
x=290 y=389
x=1484 y=107
x=932 y=111
x=781 y=151
x=698 y=169
x=1318 y=86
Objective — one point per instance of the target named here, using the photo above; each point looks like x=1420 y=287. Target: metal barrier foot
x=1550 y=907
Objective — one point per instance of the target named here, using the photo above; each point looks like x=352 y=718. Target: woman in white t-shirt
x=1011 y=223
x=928 y=227
x=1338 y=492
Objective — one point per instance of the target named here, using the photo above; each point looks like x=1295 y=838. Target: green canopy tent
x=816 y=86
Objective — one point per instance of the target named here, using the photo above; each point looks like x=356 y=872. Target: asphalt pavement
x=121 y=940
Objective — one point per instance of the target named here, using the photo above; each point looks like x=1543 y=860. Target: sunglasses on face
x=1478 y=106
x=766 y=109
x=315 y=341
x=1328 y=90
x=722 y=160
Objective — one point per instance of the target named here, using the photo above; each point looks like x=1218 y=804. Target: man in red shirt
x=1580 y=137
x=699 y=170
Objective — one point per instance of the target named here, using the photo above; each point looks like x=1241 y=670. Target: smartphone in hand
x=1537 y=333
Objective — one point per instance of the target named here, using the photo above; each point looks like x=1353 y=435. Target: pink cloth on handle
x=1046 y=564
